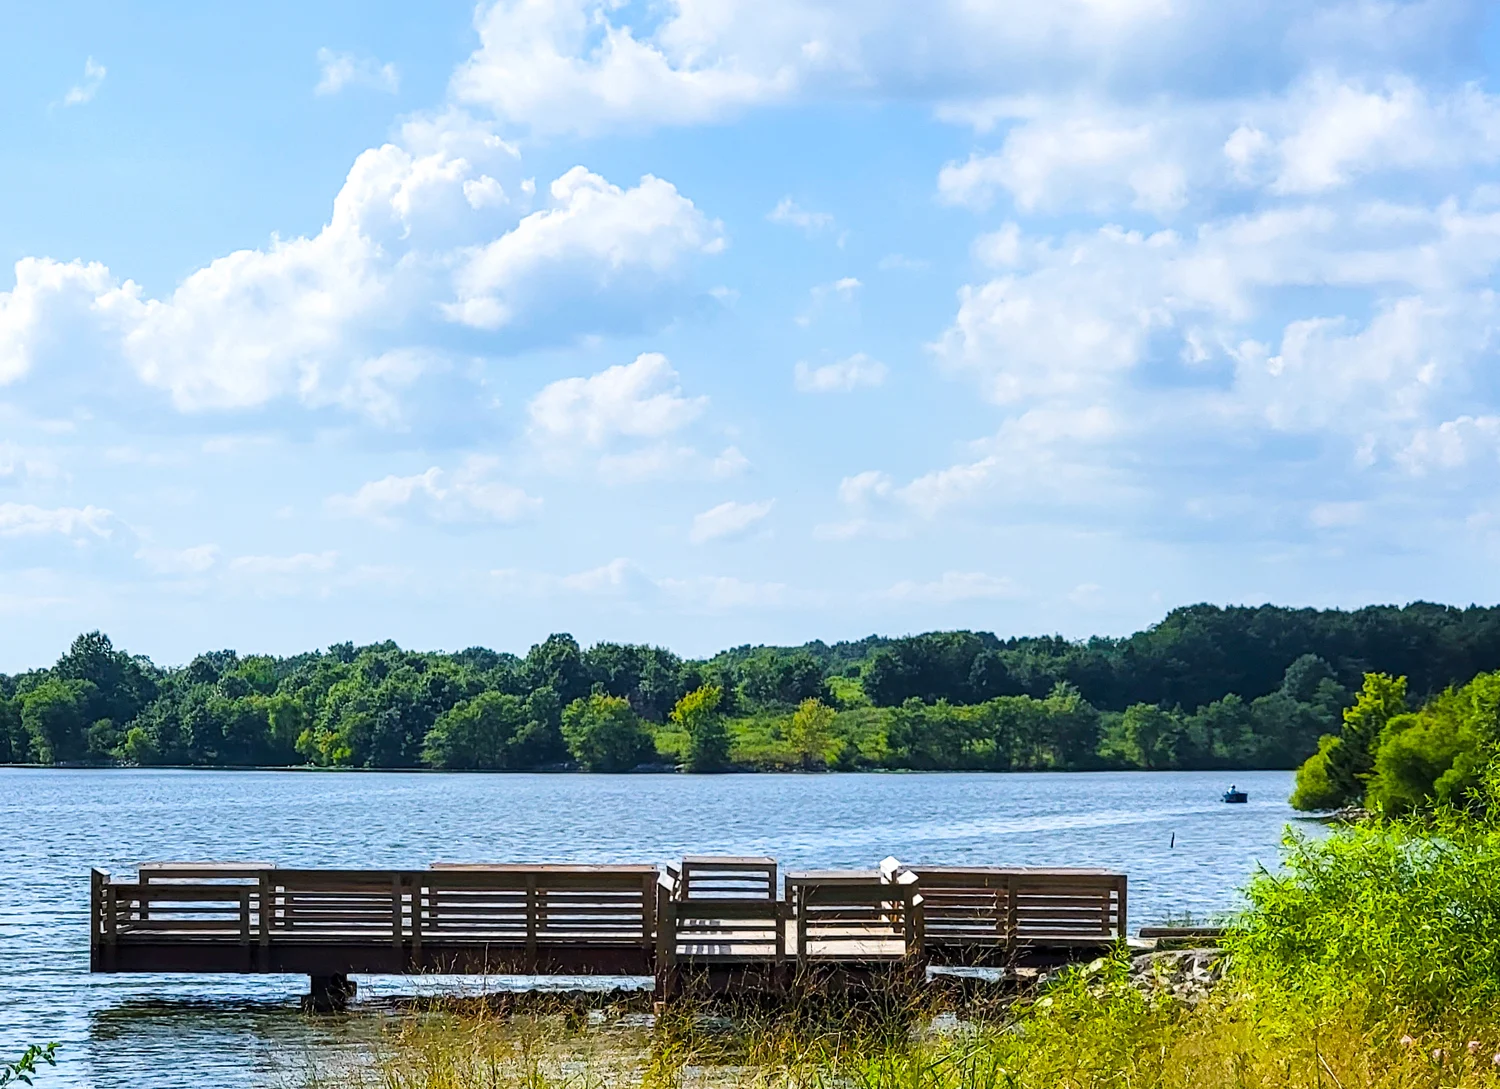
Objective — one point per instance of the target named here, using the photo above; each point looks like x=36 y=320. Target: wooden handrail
x=899 y=910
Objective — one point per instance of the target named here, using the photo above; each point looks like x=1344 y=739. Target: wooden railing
x=705 y=877
x=855 y=915
x=599 y=918
x=974 y=907
x=522 y=906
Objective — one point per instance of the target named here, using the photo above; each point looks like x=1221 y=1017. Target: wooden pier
x=731 y=922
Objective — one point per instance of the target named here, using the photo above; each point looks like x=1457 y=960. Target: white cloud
x=469 y=494
x=340 y=70
x=629 y=423
x=1053 y=456
x=789 y=214
x=26 y=520
x=595 y=239
x=1339 y=129
x=954 y=586
x=859 y=370
x=1077 y=320
x=728 y=520
x=93 y=79
x=343 y=318
x=597 y=65
x=862 y=487
x=1319 y=134
x=641 y=399
x=1074 y=158
x=1452 y=444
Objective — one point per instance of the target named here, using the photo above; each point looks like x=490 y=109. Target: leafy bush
x=604 y=734
x=1402 y=915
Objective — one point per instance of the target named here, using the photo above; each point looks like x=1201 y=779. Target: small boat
x=1236 y=796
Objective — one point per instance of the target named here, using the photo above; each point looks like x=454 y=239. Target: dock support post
x=329 y=994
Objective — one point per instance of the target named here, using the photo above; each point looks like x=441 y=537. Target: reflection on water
x=1184 y=850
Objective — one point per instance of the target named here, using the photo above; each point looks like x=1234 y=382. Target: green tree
x=1223 y=733
x=122 y=684
x=1073 y=726
x=55 y=717
x=810 y=732
x=1336 y=774
x=12 y=745
x=697 y=714
x=928 y=736
x=479 y=733
x=604 y=734
x=1314 y=787
x=557 y=663
x=1147 y=736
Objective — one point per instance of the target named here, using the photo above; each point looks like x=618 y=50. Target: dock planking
x=733 y=921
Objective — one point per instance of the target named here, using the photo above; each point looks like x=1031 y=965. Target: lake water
x=1183 y=849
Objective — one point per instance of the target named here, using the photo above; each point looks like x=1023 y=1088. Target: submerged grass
x=1370 y=961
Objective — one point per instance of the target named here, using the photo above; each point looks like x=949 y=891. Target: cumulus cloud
x=1452 y=444
x=596 y=235
x=469 y=494
x=595 y=65
x=728 y=520
x=859 y=370
x=628 y=422
x=350 y=317
x=1078 y=158
x=93 y=79
x=640 y=399
x=1318 y=134
x=340 y=70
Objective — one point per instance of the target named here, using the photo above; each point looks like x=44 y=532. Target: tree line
x=1206 y=688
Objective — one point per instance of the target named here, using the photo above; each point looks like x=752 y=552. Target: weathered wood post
x=666 y=941
x=329 y=994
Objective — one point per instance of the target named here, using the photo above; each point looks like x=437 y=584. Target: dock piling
x=329 y=994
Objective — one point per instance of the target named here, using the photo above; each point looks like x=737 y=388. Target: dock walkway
x=736 y=922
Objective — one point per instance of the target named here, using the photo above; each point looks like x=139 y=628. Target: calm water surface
x=231 y=1032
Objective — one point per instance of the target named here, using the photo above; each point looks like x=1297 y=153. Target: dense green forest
x=1207 y=687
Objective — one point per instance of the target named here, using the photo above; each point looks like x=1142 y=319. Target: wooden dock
x=733 y=922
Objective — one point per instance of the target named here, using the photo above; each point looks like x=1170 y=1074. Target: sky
x=711 y=322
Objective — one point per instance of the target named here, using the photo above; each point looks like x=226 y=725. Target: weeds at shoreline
x=1370 y=961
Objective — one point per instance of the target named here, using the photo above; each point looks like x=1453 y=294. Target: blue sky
x=703 y=322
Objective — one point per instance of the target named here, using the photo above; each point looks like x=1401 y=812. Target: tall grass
x=1371 y=960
